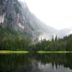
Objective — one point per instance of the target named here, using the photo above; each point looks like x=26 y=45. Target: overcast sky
x=55 y=13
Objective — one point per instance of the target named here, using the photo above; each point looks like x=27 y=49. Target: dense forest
x=10 y=40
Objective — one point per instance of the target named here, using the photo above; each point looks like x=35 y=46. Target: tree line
x=16 y=41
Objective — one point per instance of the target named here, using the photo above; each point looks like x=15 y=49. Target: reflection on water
x=53 y=68
x=36 y=63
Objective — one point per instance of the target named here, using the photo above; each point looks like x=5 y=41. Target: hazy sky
x=55 y=13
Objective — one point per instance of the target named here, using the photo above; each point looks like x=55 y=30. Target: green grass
x=26 y=52
x=13 y=52
x=59 y=52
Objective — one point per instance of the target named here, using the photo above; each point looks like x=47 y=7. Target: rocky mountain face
x=16 y=16
x=11 y=16
x=9 y=13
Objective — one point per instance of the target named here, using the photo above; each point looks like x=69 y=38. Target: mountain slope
x=15 y=16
